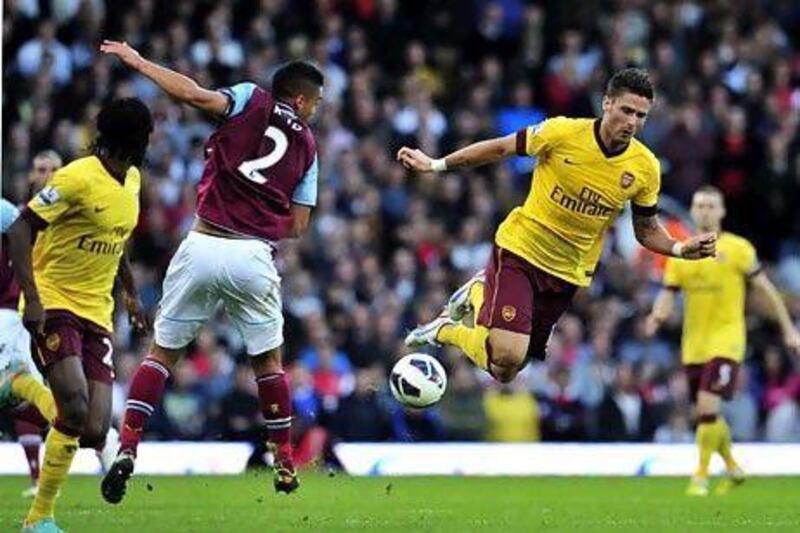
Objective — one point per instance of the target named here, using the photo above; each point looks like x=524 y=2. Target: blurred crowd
x=386 y=248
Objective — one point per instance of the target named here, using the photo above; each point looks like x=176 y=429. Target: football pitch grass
x=411 y=504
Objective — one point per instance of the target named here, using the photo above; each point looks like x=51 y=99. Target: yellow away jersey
x=714 y=297
x=90 y=216
x=578 y=191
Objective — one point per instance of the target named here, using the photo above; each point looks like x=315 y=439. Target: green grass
x=458 y=504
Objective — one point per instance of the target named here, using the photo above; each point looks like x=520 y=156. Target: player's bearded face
x=626 y=114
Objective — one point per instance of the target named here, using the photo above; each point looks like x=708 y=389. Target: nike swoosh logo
x=100 y=209
x=568 y=161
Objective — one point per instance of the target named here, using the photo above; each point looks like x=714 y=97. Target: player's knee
x=94 y=434
x=506 y=355
x=504 y=374
x=267 y=363
x=166 y=356
x=74 y=412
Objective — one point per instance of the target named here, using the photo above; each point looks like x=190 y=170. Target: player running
x=258 y=187
x=15 y=351
x=84 y=218
x=16 y=362
x=714 y=330
x=587 y=170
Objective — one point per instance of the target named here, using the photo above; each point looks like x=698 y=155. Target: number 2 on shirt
x=251 y=169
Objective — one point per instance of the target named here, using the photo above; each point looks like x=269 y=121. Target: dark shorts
x=66 y=335
x=717 y=376
x=524 y=299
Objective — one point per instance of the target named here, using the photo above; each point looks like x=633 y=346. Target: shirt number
x=252 y=169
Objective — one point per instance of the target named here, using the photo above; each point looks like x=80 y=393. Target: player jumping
x=258 y=187
x=84 y=218
x=714 y=330
x=587 y=170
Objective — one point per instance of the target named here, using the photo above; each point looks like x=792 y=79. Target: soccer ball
x=418 y=380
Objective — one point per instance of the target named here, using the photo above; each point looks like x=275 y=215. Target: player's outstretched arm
x=473 y=155
x=791 y=337
x=175 y=84
x=652 y=235
x=20 y=248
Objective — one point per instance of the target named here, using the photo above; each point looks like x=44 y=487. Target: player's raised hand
x=414 y=159
x=700 y=246
x=791 y=339
x=124 y=51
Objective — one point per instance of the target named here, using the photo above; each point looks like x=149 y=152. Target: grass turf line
x=342 y=503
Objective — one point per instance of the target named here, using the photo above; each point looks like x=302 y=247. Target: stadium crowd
x=386 y=248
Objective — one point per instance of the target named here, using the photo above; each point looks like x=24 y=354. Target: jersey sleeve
x=534 y=140
x=306 y=191
x=238 y=96
x=8 y=214
x=645 y=202
x=747 y=259
x=672 y=274
x=63 y=193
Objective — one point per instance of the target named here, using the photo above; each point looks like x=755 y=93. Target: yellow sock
x=476 y=293
x=725 y=443
x=59 y=449
x=707 y=443
x=26 y=387
x=472 y=341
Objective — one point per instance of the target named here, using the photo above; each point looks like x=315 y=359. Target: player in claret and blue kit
x=258 y=187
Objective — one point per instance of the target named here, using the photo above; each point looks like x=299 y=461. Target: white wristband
x=438 y=165
x=677 y=249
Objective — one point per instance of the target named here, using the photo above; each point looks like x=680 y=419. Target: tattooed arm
x=652 y=235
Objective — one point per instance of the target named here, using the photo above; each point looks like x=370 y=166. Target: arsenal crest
x=53 y=342
x=509 y=312
x=626 y=180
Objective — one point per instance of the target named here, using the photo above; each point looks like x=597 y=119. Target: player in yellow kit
x=714 y=330
x=84 y=218
x=587 y=170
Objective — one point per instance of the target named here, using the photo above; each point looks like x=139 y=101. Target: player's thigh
x=551 y=298
x=98 y=367
x=99 y=417
x=507 y=308
x=70 y=391
x=708 y=403
x=188 y=298
x=251 y=292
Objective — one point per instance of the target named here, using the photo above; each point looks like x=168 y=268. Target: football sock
x=707 y=442
x=59 y=449
x=472 y=341
x=28 y=388
x=30 y=438
x=275 y=400
x=147 y=388
x=725 y=443
x=476 y=293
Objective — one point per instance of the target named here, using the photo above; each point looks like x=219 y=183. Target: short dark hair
x=632 y=80
x=297 y=77
x=123 y=129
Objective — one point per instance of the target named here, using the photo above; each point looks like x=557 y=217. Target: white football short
x=207 y=270
x=15 y=342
